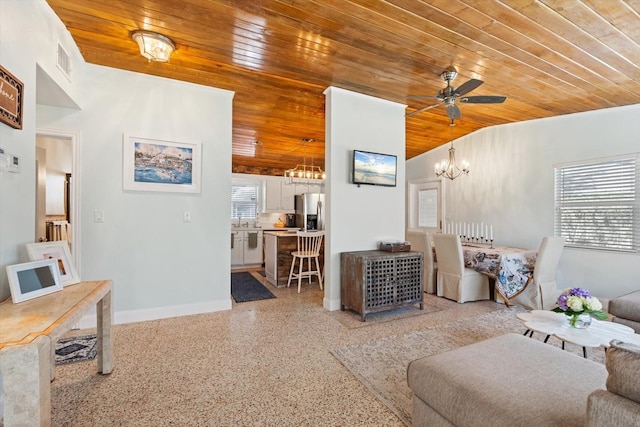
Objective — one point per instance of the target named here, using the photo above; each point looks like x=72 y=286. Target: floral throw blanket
x=511 y=267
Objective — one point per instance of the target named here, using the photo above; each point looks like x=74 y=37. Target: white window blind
x=597 y=204
x=244 y=202
x=428 y=208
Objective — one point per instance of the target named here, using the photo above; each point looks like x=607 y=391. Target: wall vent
x=64 y=61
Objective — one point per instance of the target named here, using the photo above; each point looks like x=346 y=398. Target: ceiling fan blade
x=421 y=110
x=467 y=87
x=421 y=97
x=453 y=111
x=483 y=99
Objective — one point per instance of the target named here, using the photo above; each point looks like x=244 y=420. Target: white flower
x=575 y=303
x=592 y=303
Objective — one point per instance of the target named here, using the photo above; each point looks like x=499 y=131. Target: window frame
x=253 y=213
x=413 y=214
x=612 y=233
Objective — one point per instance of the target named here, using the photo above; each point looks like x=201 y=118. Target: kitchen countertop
x=279 y=232
x=264 y=228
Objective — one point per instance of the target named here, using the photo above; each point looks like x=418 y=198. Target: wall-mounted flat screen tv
x=374 y=168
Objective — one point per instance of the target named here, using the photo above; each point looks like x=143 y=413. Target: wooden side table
x=28 y=333
x=372 y=281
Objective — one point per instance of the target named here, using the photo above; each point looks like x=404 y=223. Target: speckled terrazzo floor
x=263 y=363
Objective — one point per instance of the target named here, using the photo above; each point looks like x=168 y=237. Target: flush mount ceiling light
x=154 y=46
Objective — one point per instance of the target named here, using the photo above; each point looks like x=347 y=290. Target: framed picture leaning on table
x=58 y=250
x=33 y=279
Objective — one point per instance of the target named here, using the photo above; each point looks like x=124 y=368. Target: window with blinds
x=597 y=204
x=428 y=208
x=244 y=202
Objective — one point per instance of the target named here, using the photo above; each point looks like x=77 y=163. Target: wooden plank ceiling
x=549 y=57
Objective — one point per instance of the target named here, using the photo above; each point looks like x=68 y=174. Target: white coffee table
x=598 y=334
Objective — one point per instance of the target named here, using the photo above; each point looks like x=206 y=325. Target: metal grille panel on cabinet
x=380 y=288
x=407 y=283
x=372 y=281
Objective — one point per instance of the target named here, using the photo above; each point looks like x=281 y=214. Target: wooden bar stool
x=309 y=244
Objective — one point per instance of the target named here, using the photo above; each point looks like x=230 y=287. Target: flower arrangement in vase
x=578 y=305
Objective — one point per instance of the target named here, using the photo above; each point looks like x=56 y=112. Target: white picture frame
x=33 y=279
x=58 y=250
x=161 y=165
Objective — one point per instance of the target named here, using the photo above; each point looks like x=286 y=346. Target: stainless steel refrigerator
x=310 y=208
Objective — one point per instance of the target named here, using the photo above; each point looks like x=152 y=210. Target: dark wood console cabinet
x=372 y=281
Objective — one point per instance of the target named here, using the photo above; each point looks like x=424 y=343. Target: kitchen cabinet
x=279 y=196
x=237 y=249
x=271 y=257
x=246 y=248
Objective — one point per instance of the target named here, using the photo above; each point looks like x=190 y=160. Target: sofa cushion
x=623 y=365
x=509 y=380
x=606 y=409
x=626 y=306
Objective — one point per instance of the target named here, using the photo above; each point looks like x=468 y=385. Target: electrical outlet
x=187 y=216
x=98 y=216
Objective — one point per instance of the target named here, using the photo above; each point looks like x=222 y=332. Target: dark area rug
x=76 y=349
x=245 y=287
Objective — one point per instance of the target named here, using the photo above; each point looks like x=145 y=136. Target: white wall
x=161 y=266
x=359 y=217
x=511 y=186
x=21 y=56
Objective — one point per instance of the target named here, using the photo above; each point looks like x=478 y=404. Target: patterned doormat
x=76 y=349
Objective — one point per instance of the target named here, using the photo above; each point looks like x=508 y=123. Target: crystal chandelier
x=305 y=174
x=449 y=168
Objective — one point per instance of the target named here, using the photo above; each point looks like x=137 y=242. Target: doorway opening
x=57 y=194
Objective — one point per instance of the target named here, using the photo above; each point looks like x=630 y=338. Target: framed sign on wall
x=11 y=93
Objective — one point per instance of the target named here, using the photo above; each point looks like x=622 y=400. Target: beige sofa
x=512 y=380
x=625 y=309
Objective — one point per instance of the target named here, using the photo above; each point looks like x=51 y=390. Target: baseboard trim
x=133 y=316
x=331 y=305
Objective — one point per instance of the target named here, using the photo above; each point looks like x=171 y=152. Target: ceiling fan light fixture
x=448 y=95
x=154 y=46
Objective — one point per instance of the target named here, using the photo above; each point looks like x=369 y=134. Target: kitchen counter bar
x=265 y=229
x=278 y=246
x=280 y=232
